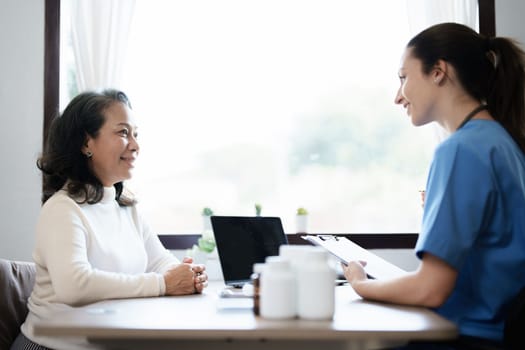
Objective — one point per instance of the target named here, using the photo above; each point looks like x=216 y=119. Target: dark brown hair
x=63 y=161
x=491 y=70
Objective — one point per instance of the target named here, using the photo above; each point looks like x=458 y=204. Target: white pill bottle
x=315 y=285
x=277 y=291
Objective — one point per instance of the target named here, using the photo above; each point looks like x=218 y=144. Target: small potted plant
x=206 y=221
x=301 y=220
x=258 y=209
x=206 y=243
x=204 y=252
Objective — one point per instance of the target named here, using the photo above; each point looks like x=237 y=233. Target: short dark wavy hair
x=63 y=161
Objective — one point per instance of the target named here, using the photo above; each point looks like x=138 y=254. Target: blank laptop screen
x=243 y=241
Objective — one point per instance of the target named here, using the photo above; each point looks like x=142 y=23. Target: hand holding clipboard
x=346 y=251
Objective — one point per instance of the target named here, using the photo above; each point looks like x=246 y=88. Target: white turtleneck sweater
x=90 y=252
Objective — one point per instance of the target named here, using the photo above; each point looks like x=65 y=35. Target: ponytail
x=506 y=93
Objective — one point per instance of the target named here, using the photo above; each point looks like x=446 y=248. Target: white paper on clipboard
x=346 y=250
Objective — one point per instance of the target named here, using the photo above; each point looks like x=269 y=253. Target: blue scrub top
x=474 y=219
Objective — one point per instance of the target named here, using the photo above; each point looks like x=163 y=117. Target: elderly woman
x=91 y=243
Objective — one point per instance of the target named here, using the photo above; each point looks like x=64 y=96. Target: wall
x=509 y=16
x=21 y=113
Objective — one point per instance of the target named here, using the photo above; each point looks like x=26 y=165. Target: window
x=285 y=103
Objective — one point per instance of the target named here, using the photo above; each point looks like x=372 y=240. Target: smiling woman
x=80 y=150
x=91 y=242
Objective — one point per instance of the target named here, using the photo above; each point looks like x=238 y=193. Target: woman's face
x=115 y=148
x=417 y=92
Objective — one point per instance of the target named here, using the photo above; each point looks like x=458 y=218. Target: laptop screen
x=243 y=241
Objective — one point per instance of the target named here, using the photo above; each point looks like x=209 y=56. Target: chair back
x=16 y=284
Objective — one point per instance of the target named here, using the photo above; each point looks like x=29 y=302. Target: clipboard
x=346 y=251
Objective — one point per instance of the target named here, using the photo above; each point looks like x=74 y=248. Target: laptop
x=243 y=241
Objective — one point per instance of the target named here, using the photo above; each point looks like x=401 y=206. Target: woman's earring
x=89 y=154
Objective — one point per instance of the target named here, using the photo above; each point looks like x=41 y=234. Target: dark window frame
x=51 y=63
x=487 y=26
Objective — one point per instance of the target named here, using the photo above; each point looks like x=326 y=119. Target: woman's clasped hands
x=186 y=278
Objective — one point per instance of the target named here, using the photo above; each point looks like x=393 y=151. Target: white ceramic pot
x=301 y=223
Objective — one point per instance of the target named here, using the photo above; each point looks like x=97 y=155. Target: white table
x=207 y=321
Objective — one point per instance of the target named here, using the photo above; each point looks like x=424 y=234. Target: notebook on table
x=243 y=241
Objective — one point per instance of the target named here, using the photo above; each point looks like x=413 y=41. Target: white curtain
x=424 y=13
x=100 y=30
